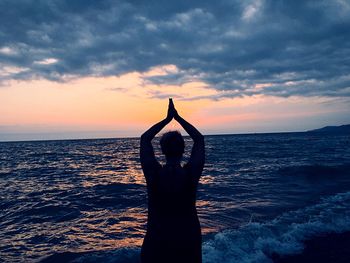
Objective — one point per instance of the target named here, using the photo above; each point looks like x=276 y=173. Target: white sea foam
x=255 y=242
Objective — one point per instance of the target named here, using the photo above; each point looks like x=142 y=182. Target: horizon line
x=136 y=137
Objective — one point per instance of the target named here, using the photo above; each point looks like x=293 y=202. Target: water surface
x=259 y=194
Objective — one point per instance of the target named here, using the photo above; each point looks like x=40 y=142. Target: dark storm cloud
x=279 y=48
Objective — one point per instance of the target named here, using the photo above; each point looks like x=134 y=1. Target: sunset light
x=187 y=131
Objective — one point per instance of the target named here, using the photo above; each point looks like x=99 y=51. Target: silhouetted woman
x=173 y=229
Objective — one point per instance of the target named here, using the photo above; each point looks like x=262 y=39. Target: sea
x=260 y=195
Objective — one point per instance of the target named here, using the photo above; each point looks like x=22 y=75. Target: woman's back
x=172 y=193
x=173 y=223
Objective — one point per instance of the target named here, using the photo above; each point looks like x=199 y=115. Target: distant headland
x=333 y=129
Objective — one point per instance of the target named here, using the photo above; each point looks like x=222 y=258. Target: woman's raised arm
x=148 y=160
x=197 y=159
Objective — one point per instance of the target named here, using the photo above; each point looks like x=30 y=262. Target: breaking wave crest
x=257 y=242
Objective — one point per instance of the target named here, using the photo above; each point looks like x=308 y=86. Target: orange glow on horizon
x=109 y=101
x=130 y=104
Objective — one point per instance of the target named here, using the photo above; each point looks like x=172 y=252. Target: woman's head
x=172 y=144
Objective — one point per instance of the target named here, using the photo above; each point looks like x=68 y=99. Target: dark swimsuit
x=173 y=229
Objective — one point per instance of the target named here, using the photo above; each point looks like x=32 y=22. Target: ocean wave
x=316 y=170
x=257 y=242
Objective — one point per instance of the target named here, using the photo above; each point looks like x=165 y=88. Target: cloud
x=239 y=48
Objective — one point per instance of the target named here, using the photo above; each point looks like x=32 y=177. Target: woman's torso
x=172 y=215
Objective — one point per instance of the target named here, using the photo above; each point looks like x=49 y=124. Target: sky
x=91 y=69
